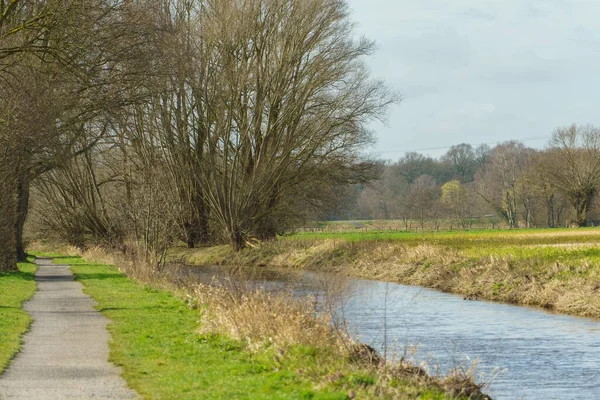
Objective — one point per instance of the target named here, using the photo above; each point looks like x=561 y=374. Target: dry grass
x=133 y=263
x=550 y=269
x=261 y=319
x=51 y=248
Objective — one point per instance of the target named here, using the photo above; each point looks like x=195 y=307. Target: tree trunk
x=237 y=241
x=22 y=211
x=511 y=212
x=8 y=217
x=550 y=210
x=197 y=229
x=580 y=204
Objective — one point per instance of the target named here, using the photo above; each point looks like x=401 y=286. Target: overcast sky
x=482 y=71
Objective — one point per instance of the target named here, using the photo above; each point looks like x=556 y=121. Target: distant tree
x=526 y=193
x=413 y=165
x=482 y=155
x=573 y=166
x=497 y=181
x=553 y=200
x=422 y=198
x=462 y=161
x=456 y=198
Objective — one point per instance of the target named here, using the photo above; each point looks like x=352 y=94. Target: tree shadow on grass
x=18 y=274
x=153 y=307
x=55 y=278
x=98 y=276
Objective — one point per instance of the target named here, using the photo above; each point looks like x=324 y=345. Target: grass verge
x=15 y=289
x=156 y=339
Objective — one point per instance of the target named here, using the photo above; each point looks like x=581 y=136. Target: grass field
x=156 y=339
x=547 y=245
x=558 y=269
x=15 y=289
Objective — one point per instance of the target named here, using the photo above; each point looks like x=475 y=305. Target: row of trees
x=513 y=183
x=137 y=123
x=55 y=88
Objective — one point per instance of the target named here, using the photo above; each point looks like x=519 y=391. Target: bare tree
x=249 y=115
x=576 y=152
x=413 y=165
x=482 y=155
x=462 y=159
x=422 y=198
x=497 y=180
x=286 y=100
x=62 y=66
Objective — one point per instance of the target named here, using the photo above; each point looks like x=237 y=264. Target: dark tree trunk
x=581 y=205
x=8 y=215
x=268 y=231
x=197 y=229
x=237 y=241
x=22 y=211
x=191 y=243
x=550 y=210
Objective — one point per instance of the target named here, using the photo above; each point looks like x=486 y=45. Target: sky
x=482 y=71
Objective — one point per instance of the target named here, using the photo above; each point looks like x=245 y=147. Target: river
x=529 y=353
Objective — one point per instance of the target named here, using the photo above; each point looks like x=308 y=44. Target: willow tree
x=286 y=102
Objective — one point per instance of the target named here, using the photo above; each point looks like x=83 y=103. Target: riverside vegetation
x=253 y=344
x=558 y=269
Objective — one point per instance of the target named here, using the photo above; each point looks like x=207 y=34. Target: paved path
x=65 y=355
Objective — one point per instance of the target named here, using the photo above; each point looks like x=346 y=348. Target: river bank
x=555 y=269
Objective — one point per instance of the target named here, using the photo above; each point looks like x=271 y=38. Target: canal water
x=525 y=352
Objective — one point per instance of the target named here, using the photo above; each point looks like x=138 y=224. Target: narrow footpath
x=65 y=355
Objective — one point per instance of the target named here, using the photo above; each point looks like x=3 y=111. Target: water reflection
x=543 y=355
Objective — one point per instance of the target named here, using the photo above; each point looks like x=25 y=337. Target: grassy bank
x=15 y=289
x=166 y=353
x=558 y=269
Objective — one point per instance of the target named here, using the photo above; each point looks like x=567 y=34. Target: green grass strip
x=155 y=340
x=15 y=289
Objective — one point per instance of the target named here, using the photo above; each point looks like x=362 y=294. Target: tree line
x=516 y=185
x=135 y=124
